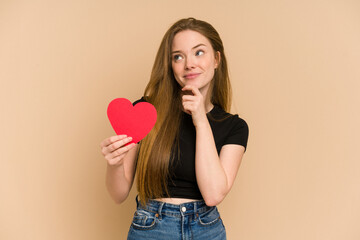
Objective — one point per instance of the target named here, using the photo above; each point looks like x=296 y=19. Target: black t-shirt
x=227 y=129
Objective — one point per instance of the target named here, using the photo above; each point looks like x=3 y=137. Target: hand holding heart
x=194 y=104
x=114 y=149
x=131 y=123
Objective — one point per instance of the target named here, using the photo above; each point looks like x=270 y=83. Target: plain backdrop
x=294 y=67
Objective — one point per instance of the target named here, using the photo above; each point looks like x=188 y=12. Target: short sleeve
x=142 y=99
x=239 y=132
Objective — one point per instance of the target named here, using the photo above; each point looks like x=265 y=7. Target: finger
x=187 y=92
x=121 y=151
x=191 y=88
x=187 y=98
x=116 y=145
x=119 y=159
x=188 y=107
x=111 y=140
x=120 y=143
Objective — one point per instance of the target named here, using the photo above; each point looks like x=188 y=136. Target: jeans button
x=183 y=209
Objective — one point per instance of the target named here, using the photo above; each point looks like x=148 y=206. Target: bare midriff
x=175 y=200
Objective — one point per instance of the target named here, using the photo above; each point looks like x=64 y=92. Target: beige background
x=295 y=72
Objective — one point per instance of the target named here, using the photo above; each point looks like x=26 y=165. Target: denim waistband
x=176 y=210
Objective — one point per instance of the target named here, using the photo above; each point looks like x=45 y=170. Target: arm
x=120 y=166
x=215 y=174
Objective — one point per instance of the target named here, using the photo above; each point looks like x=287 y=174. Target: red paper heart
x=134 y=121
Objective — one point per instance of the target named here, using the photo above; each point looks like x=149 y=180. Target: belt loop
x=195 y=209
x=160 y=209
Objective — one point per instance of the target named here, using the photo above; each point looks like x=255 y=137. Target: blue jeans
x=164 y=221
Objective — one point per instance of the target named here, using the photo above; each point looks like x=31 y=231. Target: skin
x=120 y=165
x=193 y=62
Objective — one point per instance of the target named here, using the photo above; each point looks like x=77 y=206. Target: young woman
x=187 y=164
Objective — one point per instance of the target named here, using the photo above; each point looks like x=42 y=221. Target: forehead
x=187 y=39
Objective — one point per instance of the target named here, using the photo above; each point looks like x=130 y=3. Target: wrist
x=201 y=123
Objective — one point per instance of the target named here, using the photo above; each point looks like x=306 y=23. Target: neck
x=206 y=92
x=208 y=105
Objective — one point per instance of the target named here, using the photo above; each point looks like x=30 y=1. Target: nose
x=189 y=63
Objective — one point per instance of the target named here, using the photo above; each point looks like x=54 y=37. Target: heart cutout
x=134 y=121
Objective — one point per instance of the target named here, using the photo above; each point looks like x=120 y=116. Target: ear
x=217 y=59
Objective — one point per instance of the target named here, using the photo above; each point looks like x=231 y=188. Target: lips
x=191 y=75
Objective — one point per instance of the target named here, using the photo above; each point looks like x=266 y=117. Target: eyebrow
x=177 y=51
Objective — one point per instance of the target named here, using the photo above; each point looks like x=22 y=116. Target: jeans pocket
x=209 y=217
x=144 y=220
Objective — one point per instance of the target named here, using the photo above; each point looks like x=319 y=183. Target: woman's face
x=193 y=60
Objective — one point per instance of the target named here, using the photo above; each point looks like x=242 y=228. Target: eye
x=199 y=52
x=177 y=57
